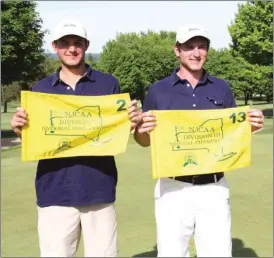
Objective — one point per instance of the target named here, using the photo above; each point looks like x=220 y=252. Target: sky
x=104 y=19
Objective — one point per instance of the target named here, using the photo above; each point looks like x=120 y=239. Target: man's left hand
x=256 y=119
x=135 y=114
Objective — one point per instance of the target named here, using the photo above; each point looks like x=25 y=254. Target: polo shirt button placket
x=194 y=105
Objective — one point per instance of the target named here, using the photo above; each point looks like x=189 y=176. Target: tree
x=252 y=39
x=91 y=60
x=49 y=66
x=22 y=40
x=252 y=32
x=10 y=92
x=220 y=63
x=265 y=81
x=138 y=60
x=242 y=76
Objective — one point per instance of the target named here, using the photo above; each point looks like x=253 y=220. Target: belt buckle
x=193 y=179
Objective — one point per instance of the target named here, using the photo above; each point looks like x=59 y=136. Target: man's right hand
x=148 y=123
x=19 y=120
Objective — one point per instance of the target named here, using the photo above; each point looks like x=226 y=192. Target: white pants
x=60 y=228
x=183 y=209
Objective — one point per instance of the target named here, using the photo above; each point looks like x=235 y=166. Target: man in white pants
x=76 y=194
x=190 y=205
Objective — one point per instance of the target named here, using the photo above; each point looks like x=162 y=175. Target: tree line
x=139 y=59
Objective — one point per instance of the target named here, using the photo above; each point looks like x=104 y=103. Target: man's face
x=71 y=50
x=193 y=53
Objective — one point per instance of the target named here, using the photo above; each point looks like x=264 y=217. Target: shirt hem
x=70 y=204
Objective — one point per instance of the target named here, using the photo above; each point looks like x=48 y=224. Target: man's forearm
x=142 y=138
x=255 y=130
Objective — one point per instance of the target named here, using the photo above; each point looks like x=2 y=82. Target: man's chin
x=72 y=64
x=196 y=69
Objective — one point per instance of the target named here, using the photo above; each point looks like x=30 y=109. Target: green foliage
x=91 y=60
x=252 y=32
x=265 y=83
x=49 y=66
x=242 y=76
x=138 y=60
x=10 y=92
x=22 y=40
x=252 y=39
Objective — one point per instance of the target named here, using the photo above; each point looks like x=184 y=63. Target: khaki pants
x=60 y=227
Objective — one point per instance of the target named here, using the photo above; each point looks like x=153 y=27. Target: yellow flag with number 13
x=192 y=142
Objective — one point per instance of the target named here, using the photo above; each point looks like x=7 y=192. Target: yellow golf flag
x=200 y=141
x=69 y=125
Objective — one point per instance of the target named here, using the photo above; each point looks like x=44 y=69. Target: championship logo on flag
x=191 y=142
x=69 y=125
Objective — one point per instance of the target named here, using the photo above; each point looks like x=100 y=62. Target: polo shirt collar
x=56 y=75
x=175 y=78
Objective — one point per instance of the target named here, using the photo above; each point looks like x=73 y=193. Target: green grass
x=251 y=201
x=6 y=117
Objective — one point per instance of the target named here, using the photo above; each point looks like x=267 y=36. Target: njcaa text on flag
x=69 y=125
x=192 y=142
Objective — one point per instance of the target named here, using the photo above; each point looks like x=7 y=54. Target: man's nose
x=72 y=48
x=196 y=52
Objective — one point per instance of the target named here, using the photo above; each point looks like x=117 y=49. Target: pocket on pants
x=166 y=186
x=223 y=188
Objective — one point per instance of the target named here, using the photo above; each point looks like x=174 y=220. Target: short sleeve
x=39 y=86
x=229 y=101
x=117 y=89
x=149 y=102
x=35 y=88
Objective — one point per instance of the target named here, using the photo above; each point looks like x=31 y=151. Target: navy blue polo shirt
x=77 y=181
x=173 y=93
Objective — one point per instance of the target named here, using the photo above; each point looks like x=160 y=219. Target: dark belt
x=200 y=179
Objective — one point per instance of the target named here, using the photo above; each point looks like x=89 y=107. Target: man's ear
x=54 y=46
x=87 y=44
x=176 y=50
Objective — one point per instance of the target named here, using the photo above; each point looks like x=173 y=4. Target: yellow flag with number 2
x=69 y=125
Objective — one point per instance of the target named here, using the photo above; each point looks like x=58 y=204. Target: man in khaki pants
x=78 y=193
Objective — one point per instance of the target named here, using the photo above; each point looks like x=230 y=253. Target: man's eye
x=79 y=44
x=203 y=47
x=63 y=43
x=189 y=47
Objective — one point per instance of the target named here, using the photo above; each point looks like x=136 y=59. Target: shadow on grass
x=152 y=253
x=8 y=134
x=238 y=250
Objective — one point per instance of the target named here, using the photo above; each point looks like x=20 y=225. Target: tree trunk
x=141 y=94
x=268 y=98
x=5 y=107
x=246 y=98
x=142 y=101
